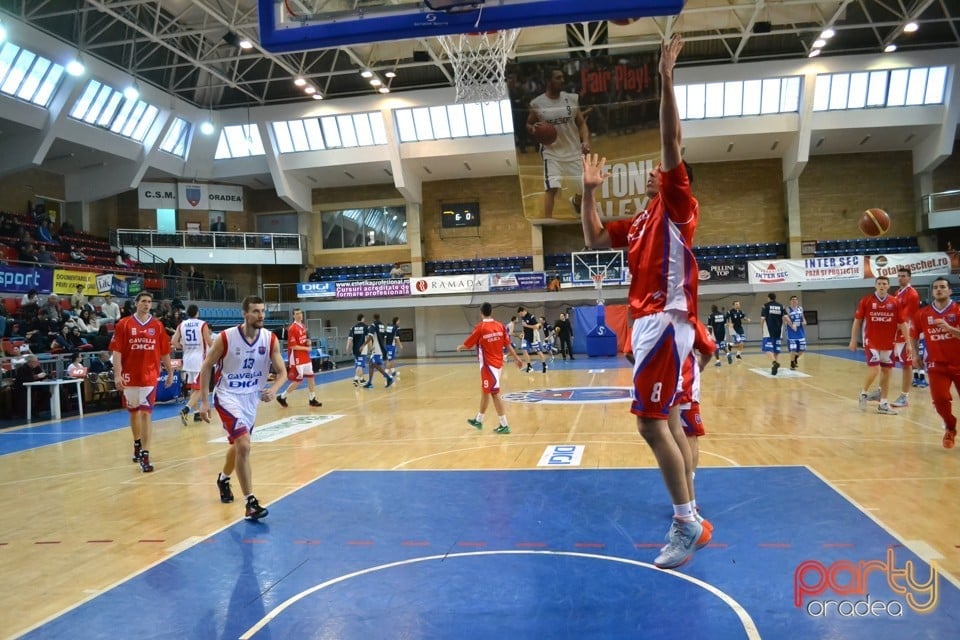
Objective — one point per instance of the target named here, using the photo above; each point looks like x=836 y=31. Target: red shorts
x=879 y=355
x=691 y=421
x=490 y=379
x=941 y=376
x=139 y=398
x=660 y=342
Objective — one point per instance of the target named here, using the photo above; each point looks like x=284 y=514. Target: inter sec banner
x=775 y=272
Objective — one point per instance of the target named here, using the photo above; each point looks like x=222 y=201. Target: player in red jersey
x=491 y=338
x=939 y=322
x=880 y=316
x=139 y=344
x=298 y=358
x=663 y=304
x=909 y=301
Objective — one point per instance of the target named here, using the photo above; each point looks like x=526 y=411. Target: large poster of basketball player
x=562 y=109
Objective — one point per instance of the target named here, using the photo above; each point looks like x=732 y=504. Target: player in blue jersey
x=796 y=333
x=356 y=342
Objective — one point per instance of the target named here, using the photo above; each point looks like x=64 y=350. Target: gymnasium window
x=882 y=88
x=239 y=141
x=454 y=121
x=737 y=98
x=178 y=135
x=105 y=107
x=367 y=227
x=330 y=132
x=27 y=76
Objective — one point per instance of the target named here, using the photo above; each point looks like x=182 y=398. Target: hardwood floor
x=79 y=516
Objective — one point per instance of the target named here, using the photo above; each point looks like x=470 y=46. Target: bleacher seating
x=861 y=246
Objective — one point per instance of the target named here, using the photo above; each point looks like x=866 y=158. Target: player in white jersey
x=561 y=159
x=194 y=338
x=245 y=354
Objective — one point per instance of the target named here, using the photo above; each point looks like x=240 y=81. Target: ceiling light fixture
x=813 y=53
x=75 y=67
x=366 y=73
x=828 y=33
x=310 y=90
x=207 y=128
x=910 y=27
x=317 y=96
x=132 y=92
x=384 y=89
x=299 y=81
x=376 y=82
x=890 y=48
x=390 y=74
x=819 y=43
x=245 y=44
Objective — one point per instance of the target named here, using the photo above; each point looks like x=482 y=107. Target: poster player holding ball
x=556 y=122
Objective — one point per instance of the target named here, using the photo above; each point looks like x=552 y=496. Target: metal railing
x=941 y=201
x=205 y=240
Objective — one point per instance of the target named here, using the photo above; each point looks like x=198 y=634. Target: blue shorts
x=770 y=345
x=738 y=338
x=376 y=359
x=359 y=361
x=797 y=345
x=391 y=353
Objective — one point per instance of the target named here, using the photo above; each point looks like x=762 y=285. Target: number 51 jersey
x=244 y=366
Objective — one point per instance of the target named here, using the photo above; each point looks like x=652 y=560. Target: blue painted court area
x=17 y=439
x=560 y=554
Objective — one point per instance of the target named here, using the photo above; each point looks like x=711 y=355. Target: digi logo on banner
x=561 y=455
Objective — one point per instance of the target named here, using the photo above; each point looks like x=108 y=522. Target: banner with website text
x=777 y=272
x=608 y=103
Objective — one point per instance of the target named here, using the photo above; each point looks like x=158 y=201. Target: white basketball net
x=479 y=61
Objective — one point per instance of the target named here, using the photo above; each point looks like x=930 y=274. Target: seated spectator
x=62 y=341
x=88 y=323
x=53 y=309
x=77 y=300
x=77 y=256
x=110 y=309
x=30 y=302
x=30 y=371
x=43 y=231
x=102 y=363
x=8 y=228
x=101 y=341
x=44 y=256
x=28 y=254
x=397 y=271
x=66 y=229
x=76 y=369
x=39 y=332
x=316 y=276
x=127 y=309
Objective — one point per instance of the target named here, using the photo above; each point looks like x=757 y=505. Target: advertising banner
x=920 y=264
x=65 y=282
x=536 y=280
x=776 y=272
x=372 y=288
x=438 y=285
x=157 y=195
x=224 y=197
x=562 y=108
x=316 y=289
x=23 y=279
x=721 y=271
x=121 y=286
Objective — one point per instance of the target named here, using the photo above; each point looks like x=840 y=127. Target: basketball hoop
x=598 y=277
x=479 y=61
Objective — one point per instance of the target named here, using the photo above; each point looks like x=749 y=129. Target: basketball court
x=391 y=517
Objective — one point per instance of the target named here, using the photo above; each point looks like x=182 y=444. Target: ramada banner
x=777 y=272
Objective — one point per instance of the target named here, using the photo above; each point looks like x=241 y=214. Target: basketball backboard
x=300 y=25
x=607 y=265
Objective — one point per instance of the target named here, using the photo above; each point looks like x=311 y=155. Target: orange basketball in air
x=874 y=222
